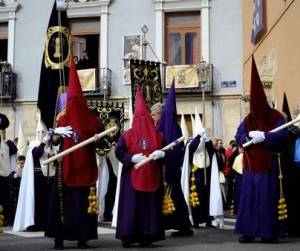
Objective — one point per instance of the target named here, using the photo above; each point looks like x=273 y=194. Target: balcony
x=8 y=80
x=95 y=82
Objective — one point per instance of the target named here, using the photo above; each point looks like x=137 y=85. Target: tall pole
x=203 y=121
x=145 y=42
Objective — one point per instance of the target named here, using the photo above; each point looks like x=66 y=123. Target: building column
x=205 y=53
x=104 y=37
x=11 y=38
x=159 y=24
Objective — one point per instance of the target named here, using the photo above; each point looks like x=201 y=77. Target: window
x=85 y=37
x=182 y=38
x=3 y=41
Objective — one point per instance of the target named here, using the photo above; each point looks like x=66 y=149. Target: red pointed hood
x=263 y=118
x=80 y=167
x=144 y=138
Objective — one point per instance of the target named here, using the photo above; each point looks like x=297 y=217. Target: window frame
x=183 y=29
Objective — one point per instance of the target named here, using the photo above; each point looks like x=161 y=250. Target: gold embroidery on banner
x=58 y=47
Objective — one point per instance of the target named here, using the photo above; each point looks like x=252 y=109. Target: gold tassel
x=231 y=208
x=282 y=207
x=1 y=219
x=168 y=204
x=93 y=202
x=194 y=198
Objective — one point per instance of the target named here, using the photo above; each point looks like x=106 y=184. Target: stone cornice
x=8 y=9
x=180 y=5
x=87 y=9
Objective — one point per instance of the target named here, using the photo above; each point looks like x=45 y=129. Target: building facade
x=179 y=32
x=276 y=51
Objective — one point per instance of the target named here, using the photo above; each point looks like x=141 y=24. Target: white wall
x=31 y=25
x=127 y=18
x=226 y=44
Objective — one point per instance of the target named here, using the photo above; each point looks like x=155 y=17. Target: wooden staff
x=80 y=145
x=167 y=147
x=276 y=129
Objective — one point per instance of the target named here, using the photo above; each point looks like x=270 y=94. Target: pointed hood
x=171 y=131
x=193 y=126
x=259 y=106
x=144 y=138
x=22 y=142
x=262 y=117
x=167 y=124
x=199 y=157
x=198 y=122
x=184 y=129
x=40 y=131
x=79 y=167
x=286 y=108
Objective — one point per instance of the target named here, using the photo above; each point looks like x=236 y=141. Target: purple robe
x=139 y=213
x=257 y=214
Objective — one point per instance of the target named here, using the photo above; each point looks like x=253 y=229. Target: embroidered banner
x=257 y=20
x=111 y=114
x=87 y=79
x=186 y=76
x=147 y=75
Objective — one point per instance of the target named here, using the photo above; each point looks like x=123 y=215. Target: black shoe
x=269 y=241
x=246 y=239
x=58 y=244
x=126 y=244
x=82 y=245
x=180 y=233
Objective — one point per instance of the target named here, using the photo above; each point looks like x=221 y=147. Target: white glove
x=65 y=131
x=137 y=158
x=47 y=137
x=158 y=154
x=202 y=131
x=257 y=136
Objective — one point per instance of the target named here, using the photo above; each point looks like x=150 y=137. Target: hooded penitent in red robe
x=79 y=167
x=144 y=138
x=262 y=117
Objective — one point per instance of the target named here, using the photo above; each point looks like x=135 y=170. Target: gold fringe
x=194 y=197
x=282 y=207
x=168 y=204
x=93 y=202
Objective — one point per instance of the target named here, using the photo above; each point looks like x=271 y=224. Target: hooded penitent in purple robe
x=140 y=200
x=168 y=126
x=258 y=214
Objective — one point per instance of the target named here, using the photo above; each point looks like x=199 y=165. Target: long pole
x=167 y=147
x=249 y=143
x=80 y=145
x=203 y=121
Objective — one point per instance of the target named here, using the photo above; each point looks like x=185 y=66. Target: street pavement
x=203 y=239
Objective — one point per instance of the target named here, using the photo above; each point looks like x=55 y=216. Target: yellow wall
x=282 y=34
